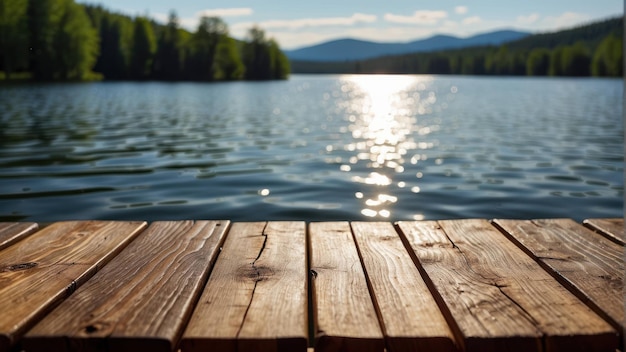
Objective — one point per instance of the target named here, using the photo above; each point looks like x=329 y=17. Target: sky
x=295 y=24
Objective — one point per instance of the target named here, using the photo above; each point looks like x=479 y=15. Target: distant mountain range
x=352 y=49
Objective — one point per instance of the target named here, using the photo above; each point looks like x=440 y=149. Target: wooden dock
x=452 y=285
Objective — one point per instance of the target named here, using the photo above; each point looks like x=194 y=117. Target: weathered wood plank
x=280 y=296
x=411 y=319
x=591 y=266
x=11 y=232
x=345 y=317
x=256 y=296
x=499 y=298
x=142 y=299
x=612 y=229
x=39 y=271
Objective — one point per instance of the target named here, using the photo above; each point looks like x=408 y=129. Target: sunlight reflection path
x=384 y=122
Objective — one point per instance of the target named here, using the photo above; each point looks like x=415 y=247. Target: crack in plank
x=553 y=258
x=527 y=314
x=262 y=246
x=490 y=282
x=257 y=279
x=484 y=280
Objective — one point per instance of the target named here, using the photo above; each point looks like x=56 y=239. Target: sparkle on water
x=385 y=126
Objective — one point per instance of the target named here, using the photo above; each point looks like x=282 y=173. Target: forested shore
x=60 y=40
x=590 y=50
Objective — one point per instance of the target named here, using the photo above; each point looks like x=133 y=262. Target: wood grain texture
x=344 y=315
x=256 y=296
x=11 y=232
x=411 y=318
x=142 y=299
x=612 y=229
x=39 y=271
x=499 y=298
x=591 y=266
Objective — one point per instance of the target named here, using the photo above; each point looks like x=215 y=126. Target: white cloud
x=529 y=19
x=448 y=25
x=226 y=12
x=293 y=40
x=191 y=23
x=472 y=20
x=160 y=17
x=461 y=10
x=310 y=22
x=389 y=34
x=565 y=20
x=418 y=17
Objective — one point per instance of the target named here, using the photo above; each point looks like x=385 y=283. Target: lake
x=318 y=147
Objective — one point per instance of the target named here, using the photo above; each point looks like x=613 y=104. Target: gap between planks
x=589 y=265
x=142 y=299
x=368 y=281
x=496 y=297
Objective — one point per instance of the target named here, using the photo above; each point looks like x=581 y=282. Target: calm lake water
x=313 y=148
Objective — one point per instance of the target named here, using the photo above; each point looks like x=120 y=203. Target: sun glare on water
x=383 y=119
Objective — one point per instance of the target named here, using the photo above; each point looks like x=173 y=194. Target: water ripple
x=313 y=148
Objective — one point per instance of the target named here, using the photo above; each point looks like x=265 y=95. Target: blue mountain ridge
x=353 y=49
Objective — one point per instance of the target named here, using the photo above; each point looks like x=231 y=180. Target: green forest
x=590 y=50
x=60 y=40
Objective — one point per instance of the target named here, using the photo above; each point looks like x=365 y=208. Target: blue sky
x=302 y=23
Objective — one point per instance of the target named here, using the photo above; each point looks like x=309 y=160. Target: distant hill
x=352 y=49
x=591 y=33
x=591 y=49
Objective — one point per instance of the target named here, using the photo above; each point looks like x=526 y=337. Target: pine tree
x=607 y=59
x=281 y=67
x=76 y=43
x=204 y=44
x=228 y=64
x=13 y=35
x=64 y=45
x=167 y=62
x=576 y=60
x=143 y=49
x=538 y=62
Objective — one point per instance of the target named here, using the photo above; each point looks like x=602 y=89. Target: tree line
x=63 y=40
x=591 y=50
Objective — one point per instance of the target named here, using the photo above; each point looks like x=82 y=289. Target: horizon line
x=502 y=29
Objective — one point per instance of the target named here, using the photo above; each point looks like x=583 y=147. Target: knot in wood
x=19 y=267
x=614 y=282
x=97 y=329
x=254 y=272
